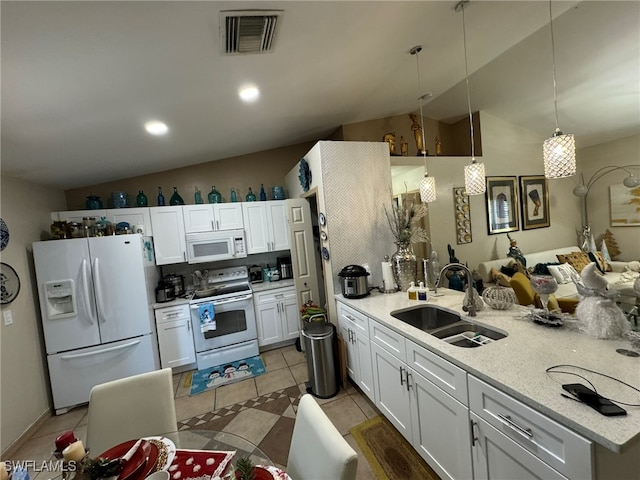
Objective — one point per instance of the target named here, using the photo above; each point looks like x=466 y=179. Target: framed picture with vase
x=534 y=201
x=502 y=204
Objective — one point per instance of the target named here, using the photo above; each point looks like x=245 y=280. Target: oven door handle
x=225 y=301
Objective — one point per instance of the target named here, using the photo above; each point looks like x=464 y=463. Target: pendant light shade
x=427 y=185
x=559 y=150
x=474 y=182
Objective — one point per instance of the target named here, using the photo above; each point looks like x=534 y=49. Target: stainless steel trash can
x=319 y=338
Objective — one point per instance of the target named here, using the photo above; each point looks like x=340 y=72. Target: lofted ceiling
x=79 y=79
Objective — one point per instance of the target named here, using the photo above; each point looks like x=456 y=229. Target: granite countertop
x=261 y=287
x=517 y=363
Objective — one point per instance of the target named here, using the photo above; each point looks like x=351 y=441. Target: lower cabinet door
x=496 y=456
x=441 y=429
x=268 y=323
x=175 y=342
x=392 y=396
x=351 y=359
x=363 y=351
x=290 y=318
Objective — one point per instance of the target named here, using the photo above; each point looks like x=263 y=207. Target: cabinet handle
x=408 y=383
x=188 y=325
x=401 y=376
x=278 y=305
x=353 y=337
x=473 y=433
x=217 y=225
x=349 y=332
x=213 y=225
x=525 y=432
x=184 y=255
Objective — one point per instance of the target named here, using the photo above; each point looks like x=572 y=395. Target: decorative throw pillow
x=599 y=261
x=577 y=260
x=508 y=270
x=500 y=278
x=543 y=268
x=563 y=273
x=633 y=266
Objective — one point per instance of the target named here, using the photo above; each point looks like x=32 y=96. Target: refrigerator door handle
x=85 y=288
x=98 y=352
x=98 y=290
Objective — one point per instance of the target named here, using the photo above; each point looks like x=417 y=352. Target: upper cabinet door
x=168 y=239
x=278 y=224
x=78 y=215
x=198 y=218
x=257 y=231
x=133 y=216
x=228 y=216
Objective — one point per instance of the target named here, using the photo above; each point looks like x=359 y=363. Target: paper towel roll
x=388 y=281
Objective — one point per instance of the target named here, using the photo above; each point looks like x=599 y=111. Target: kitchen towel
x=207 y=317
x=388 y=282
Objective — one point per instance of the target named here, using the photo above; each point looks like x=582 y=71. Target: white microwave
x=214 y=246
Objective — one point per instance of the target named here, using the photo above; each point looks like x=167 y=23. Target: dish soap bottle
x=141 y=199
x=176 y=199
x=412 y=292
x=422 y=292
x=197 y=196
x=214 y=195
x=160 y=198
x=251 y=197
x=234 y=196
x=263 y=194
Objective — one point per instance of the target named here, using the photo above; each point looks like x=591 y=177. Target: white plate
x=171 y=451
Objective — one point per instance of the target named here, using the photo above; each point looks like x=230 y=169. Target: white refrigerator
x=96 y=297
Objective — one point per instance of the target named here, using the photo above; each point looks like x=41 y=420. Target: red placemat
x=199 y=464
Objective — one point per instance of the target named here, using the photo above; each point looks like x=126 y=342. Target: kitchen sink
x=448 y=326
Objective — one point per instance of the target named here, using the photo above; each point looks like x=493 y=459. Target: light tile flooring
x=260 y=409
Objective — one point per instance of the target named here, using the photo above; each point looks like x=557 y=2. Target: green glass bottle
x=176 y=199
x=251 y=197
x=214 y=195
x=141 y=199
x=234 y=195
x=197 y=197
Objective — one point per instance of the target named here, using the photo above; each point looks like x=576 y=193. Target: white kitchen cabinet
x=354 y=328
x=169 y=236
x=216 y=216
x=175 y=336
x=78 y=215
x=133 y=216
x=511 y=433
x=276 y=315
x=266 y=226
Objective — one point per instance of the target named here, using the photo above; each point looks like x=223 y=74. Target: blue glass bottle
x=160 y=198
x=251 y=197
x=214 y=195
x=176 y=199
x=197 y=196
x=263 y=194
x=141 y=199
x=234 y=196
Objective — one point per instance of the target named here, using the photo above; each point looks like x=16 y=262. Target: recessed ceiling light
x=156 y=128
x=249 y=94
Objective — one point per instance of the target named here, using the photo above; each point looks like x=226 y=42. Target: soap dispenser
x=422 y=292
x=412 y=292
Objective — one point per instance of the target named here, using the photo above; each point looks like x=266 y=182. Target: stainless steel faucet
x=472 y=305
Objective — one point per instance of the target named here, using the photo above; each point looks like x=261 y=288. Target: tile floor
x=261 y=409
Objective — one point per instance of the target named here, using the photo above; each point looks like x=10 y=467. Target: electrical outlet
x=8 y=317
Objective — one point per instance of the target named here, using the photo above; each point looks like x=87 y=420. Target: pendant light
x=474 y=182
x=427 y=185
x=559 y=150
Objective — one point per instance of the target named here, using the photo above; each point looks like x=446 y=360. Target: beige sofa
x=620 y=278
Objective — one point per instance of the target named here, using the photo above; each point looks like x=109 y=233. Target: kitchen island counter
x=517 y=364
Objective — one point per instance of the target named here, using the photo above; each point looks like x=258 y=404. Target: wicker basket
x=499 y=298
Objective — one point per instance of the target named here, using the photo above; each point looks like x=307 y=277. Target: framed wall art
x=534 y=201
x=625 y=206
x=502 y=204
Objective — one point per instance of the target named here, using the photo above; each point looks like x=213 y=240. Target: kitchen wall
x=23 y=381
x=268 y=167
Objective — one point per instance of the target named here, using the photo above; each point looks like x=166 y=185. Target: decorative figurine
x=404 y=147
x=390 y=138
x=417 y=133
x=515 y=252
x=438 y=146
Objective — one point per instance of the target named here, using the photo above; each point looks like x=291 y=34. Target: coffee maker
x=284 y=267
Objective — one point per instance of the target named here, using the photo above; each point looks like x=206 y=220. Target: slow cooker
x=353 y=279
x=165 y=292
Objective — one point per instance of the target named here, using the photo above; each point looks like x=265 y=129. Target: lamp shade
x=474 y=182
x=559 y=155
x=427 y=189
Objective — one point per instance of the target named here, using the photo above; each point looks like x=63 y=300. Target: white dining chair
x=131 y=407
x=318 y=450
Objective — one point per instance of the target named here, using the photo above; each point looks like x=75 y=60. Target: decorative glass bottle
x=234 y=195
x=251 y=197
x=176 y=199
x=214 y=195
x=93 y=202
x=141 y=199
x=404 y=265
x=160 y=198
x=197 y=197
x=263 y=194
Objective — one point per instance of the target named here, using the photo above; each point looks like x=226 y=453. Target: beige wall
x=268 y=167
x=625 y=151
x=23 y=382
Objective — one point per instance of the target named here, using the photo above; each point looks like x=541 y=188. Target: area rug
x=220 y=375
x=391 y=457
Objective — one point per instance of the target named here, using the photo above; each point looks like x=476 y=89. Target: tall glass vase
x=404 y=265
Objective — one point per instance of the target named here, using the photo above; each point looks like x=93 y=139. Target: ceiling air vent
x=248 y=31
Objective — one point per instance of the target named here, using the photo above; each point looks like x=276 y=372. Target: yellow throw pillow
x=577 y=260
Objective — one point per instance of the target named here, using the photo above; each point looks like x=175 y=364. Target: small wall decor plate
x=323 y=236
x=322 y=219
x=304 y=175
x=9 y=284
x=325 y=253
x=4 y=234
